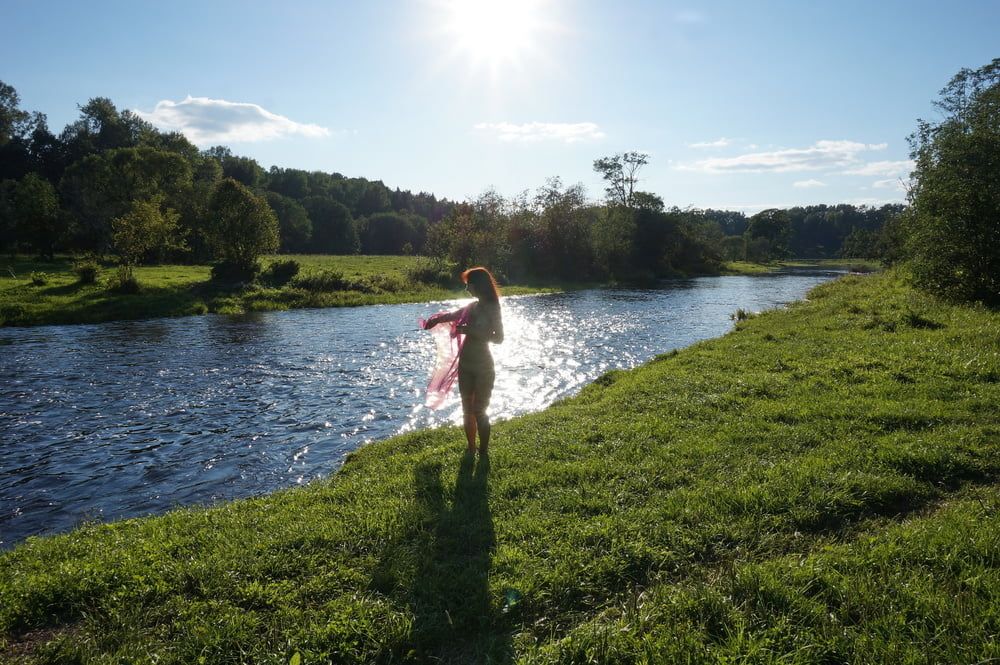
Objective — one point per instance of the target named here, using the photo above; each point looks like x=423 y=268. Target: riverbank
x=819 y=484
x=42 y=293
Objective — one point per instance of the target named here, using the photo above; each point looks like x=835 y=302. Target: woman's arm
x=497 y=336
x=442 y=317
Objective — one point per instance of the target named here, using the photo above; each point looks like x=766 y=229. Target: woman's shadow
x=449 y=594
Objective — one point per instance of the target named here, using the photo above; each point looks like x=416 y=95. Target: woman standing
x=475 y=326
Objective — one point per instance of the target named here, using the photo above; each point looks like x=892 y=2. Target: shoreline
x=174 y=291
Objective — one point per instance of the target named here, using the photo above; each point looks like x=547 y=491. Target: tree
x=620 y=172
x=374 y=199
x=37 y=215
x=143 y=230
x=242 y=169
x=13 y=121
x=333 y=229
x=103 y=186
x=8 y=219
x=294 y=227
x=16 y=127
x=768 y=232
x=563 y=229
x=241 y=228
x=613 y=235
x=292 y=183
x=951 y=232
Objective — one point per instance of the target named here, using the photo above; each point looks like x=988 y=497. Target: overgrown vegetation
x=949 y=235
x=820 y=485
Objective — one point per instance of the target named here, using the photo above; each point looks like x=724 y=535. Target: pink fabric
x=448 y=342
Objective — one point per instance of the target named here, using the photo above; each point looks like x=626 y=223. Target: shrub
x=381 y=283
x=124 y=281
x=436 y=271
x=280 y=273
x=321 y=280
x=234 y=272
x=9 y=313
x=87 y=271
x=39 y=278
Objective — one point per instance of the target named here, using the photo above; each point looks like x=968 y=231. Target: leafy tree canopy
x=952 y=228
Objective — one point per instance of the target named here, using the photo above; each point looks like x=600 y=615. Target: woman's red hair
x=483 y=281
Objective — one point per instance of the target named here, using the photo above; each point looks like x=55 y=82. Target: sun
x=493 y=32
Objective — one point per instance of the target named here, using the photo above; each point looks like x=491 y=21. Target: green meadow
x=817 y=486
x=38 y=293
x=34 y=292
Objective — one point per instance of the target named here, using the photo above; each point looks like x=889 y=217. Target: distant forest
x=79 y=191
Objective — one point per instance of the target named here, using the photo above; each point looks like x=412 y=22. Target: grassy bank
x=748 y=268
x=34 y=292
x=820 y=485
x=37 y=293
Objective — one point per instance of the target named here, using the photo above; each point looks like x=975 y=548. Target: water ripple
x=130 y=418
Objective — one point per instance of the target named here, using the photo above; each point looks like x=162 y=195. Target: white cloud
x=531 y=132
x=208 y=121
x=820 y=155
x=721 y=142
x=806 y=184
x=884 y=169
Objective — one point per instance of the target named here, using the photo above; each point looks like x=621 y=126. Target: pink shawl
x=449 y=345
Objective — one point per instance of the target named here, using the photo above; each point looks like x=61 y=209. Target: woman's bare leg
x=469 y=421
x=483 y=424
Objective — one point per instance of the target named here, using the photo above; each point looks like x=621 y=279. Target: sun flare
x=493 y=32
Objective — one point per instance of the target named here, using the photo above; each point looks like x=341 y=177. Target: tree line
x=71 y=191
x=111 y=183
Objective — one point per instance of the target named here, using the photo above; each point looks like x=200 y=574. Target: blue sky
x=741 y=105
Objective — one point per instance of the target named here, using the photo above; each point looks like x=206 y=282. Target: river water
x=99 y=422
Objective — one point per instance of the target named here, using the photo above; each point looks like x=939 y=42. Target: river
x=113 y=420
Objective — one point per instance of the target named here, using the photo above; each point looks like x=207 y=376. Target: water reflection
x=128 y=418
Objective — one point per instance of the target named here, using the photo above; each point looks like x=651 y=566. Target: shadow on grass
x=449 y=595
x=64 y=289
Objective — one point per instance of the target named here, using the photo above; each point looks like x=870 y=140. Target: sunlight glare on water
x=130 y=418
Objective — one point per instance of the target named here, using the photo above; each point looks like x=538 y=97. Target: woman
x=475 y=327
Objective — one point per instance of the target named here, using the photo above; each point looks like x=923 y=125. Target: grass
x=749 y=268
x=183 y=290
x=34 y=292
x=819 y=485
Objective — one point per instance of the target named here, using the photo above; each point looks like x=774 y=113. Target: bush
x=124 y=281
x=87 y=271
x=322 y=280
x=381 y=283
x=9 y=313
x=39 y=278
x=234 y=272
x=280 y=273
x=437 y=272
